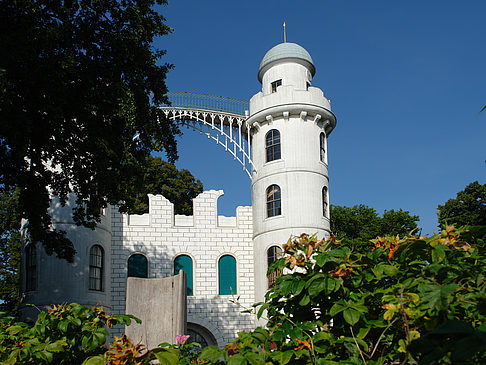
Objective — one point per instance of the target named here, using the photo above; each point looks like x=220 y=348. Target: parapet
x=205 y=213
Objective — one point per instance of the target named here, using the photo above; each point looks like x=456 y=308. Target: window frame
x=325 y=201
x=274 y=85
x=322 y=147
x=273 y=204
x=273 y=256
x=273 y=147
x=221 y=289
x=131 y=257
x=189 y=278
x=96 y=268
x=30 y=267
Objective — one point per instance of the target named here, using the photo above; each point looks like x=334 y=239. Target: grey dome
x=286 y=51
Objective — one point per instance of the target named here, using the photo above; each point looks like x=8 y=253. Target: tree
x=160 y=177
x=9 y=249
x=469 y=207
x=360 y=224
x=79 y=81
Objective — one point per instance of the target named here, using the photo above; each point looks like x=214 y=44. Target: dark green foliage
x=408 y=299
x=10 y=244
x=160 y=177
x=468 y=208
x=360 y=224
x=65 y=334
x=78 y=80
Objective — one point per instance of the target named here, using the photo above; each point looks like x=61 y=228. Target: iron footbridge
x=221 y=119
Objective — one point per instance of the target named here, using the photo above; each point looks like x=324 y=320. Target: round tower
x=290 y=122
x=48 y=280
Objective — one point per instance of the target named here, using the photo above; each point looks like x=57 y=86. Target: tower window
x=324 y=201
x=272 y=145
x=227 y=275
x=273 y=254
x=137 y=266
x=30 y=268
x=96 y=258
x=322 y=145
x=184 y=262
x=273 y=201
x=276 y=84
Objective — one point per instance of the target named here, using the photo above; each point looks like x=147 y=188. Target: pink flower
x=181 y=338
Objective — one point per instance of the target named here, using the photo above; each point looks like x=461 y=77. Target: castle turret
x=291 y=121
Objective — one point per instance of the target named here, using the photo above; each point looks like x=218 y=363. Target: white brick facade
x=205 y=237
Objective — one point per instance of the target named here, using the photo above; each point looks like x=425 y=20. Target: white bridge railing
x=221 y=119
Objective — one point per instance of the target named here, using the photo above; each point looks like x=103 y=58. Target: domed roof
x=286 y=51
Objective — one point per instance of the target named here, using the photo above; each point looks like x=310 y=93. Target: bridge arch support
x=221 y=119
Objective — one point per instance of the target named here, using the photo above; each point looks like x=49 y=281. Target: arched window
x=324 y=201
x=30 y=268
x=322 y=146
x=272 y=145
x=273 y=254
x=184 y=262
x=96 y=266
x=137 y=266
x=227 y=275
x=273 y=201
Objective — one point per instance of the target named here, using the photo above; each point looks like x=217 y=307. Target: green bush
x=408 y=300
x=65 y=334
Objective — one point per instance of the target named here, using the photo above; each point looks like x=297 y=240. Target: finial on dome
x=285 y=35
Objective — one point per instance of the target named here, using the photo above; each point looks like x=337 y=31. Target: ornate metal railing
x=182 y=99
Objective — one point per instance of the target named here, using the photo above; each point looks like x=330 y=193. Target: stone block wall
x=157 y=236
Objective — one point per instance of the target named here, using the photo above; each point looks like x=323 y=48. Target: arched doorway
x=200 y=335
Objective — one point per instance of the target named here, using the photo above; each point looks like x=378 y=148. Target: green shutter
x=184 y=262
x=227 y=275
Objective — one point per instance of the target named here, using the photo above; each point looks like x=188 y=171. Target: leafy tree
x=160 y=177
x=469 y=207
x=9 y=249
x=360 y=224
x=78 y=80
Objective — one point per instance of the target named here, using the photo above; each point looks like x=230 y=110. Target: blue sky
x=406 y=79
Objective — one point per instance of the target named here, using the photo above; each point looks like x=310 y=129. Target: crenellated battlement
x=205 y=213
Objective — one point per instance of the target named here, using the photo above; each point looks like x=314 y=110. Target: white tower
x=291 y=121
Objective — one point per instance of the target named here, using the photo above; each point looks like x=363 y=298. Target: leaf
x=262 y=309
x=210 y=353
x=390 y=270
x=282 y=357
x=237 y=359
x=335 y=309
x=304 y=301
x=13 y=330
x=351 y=316
x=363 y=331
x=167 y=358
x=94 y=360
x=322 y=335
x=316 y=288
x=438 y=253
x=437 y=296
x=63 y=325
x=298 y=286
x=255 y=358
x=57 y=346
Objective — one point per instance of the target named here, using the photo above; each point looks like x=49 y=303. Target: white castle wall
x=205 y=236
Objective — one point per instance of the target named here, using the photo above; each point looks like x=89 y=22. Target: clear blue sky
x=407 y=80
